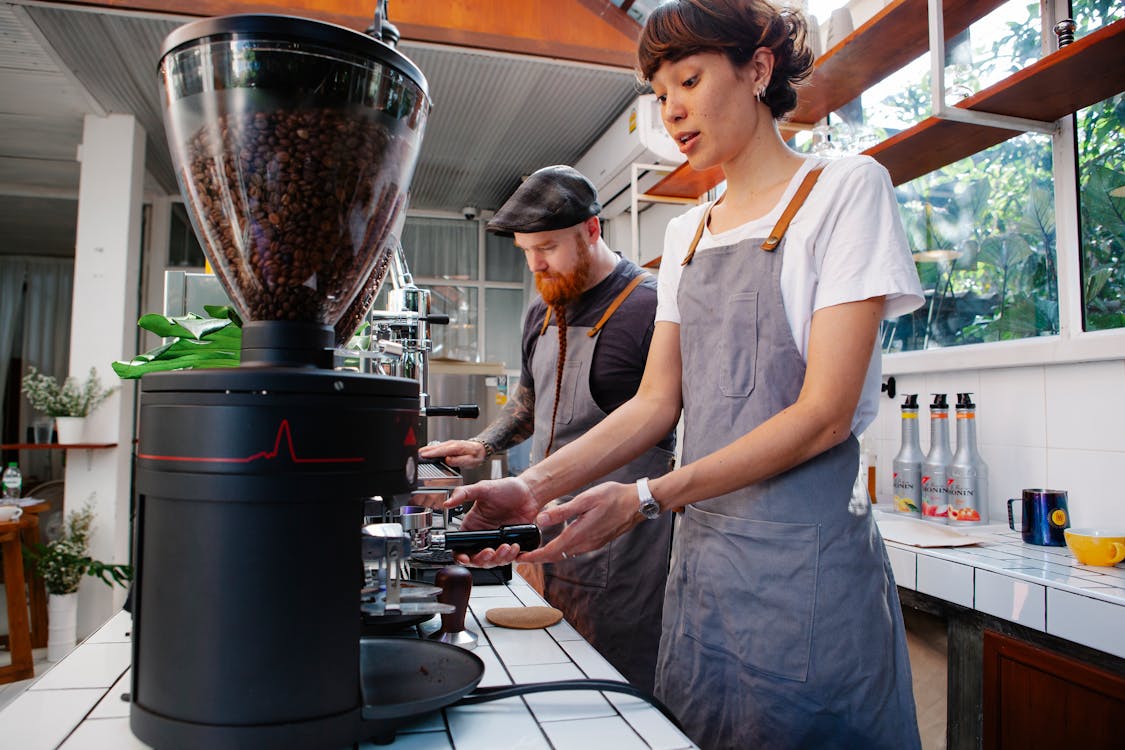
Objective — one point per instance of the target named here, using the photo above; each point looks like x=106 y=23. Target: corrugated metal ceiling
x=496 y=116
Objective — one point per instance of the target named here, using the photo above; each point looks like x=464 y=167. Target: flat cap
x=551 y=198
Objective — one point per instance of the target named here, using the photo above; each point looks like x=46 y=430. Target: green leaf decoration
x=197 y=342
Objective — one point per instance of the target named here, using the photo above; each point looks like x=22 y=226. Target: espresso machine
x=294 y=143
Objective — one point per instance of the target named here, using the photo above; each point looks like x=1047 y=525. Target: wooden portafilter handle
x=456 y=582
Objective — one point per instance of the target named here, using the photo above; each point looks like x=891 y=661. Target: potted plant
x=63 y=563
x=69 y=403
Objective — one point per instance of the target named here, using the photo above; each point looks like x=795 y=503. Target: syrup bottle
x=907 y=464
x=968 y=473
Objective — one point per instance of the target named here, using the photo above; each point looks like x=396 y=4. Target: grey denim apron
x=782 y=626
x=613 y=596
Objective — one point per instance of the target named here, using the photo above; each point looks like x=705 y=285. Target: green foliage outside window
x=991 y=218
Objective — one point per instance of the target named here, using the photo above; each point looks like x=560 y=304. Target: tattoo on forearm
x=515 y=423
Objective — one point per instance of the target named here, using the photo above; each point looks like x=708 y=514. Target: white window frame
x=1072 y=343
x=479 y=283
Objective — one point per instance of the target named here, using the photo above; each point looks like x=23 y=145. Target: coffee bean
x=286 y=201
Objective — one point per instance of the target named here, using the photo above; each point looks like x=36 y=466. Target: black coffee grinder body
x=294 y=143
x=252 y=482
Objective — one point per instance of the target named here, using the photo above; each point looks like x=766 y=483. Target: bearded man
x=585 y=342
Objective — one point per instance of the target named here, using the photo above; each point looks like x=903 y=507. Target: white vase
x=62 y=624
x=70 y=429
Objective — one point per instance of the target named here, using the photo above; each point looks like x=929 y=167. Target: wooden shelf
x=55 y=446
x=1083 y=73
x=686 y=183
x=1076 y=76
x=892 y=38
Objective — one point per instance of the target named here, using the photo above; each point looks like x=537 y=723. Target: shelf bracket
x=943 y=111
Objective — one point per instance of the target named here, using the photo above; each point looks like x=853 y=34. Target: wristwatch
x=648 y=508
x=488 y=449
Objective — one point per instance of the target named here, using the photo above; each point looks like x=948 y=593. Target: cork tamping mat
x=523 y=618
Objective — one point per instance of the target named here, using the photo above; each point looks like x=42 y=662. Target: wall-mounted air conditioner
x=637 y=136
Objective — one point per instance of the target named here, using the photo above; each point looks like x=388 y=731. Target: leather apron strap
x=770 y=244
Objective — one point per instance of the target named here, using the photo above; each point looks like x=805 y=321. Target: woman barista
x=782 y=625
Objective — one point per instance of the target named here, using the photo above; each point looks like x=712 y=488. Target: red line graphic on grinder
x=266 y=455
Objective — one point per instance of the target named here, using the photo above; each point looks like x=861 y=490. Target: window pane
x=504 y=311
x=1101 y=197
x=183 y=248
x=982 y=231
x=503 y=261
x=1005 y=40
x=458 y=340
x=441 y=248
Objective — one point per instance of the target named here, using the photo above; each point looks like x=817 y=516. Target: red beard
x=564 y=289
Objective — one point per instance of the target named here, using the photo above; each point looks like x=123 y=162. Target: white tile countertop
x=77 y=703
x=1044 y=588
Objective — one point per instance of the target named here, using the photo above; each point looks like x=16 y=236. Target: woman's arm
x=627 y=432
x=841 y=340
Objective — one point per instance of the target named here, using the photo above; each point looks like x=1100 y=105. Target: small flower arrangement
x=71 y=399
x=64 y=561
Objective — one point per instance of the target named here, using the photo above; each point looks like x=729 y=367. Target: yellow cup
x=1096 y=547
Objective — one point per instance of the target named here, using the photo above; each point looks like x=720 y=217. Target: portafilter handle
x=526 y=535
x=456 y=583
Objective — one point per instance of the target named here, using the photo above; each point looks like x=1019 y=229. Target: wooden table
x=19 y=637
x=36 y=589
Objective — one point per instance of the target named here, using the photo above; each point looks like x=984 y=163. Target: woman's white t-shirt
x=845 y=244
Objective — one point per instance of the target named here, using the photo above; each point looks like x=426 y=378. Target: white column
x=103 y=328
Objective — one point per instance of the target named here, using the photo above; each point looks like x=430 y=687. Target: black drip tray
x=403 y=678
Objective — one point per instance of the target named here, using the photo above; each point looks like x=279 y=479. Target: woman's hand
x=496 y=503
x=593 y=519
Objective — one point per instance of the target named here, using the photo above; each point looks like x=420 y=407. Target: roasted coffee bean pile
x=287 y=200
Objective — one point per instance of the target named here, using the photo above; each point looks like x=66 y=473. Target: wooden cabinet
x=1036 y=698
x=1062 y=82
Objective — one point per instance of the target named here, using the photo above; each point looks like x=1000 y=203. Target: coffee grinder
x=294 y=143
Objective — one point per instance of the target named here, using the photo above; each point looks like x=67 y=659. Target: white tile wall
x=104 y=733
x=608 y=732
x=41 y=719
x=1086 y=620
x=904 y=567
x=946 y=580
x=1011 y=599
x=1061 y=426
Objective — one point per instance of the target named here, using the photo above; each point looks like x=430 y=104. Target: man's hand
x=495 y=503
x=461 y=454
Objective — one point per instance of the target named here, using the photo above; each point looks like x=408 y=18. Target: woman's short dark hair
x=737 y=28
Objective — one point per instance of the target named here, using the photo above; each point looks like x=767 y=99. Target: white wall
x=1054 y=426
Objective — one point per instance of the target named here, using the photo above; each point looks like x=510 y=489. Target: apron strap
x=790 y=211
x=546 y=320
x=779 y=228
x=616 y=304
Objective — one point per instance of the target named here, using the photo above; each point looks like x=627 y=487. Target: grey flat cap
x=551 y=198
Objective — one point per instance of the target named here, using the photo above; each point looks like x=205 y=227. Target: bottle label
x=965 y=500
x=935 y=495
x=907 y=489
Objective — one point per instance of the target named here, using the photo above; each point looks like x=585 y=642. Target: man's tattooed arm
x=516 y=422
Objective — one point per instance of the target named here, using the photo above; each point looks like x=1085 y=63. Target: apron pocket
x=738 y=352
x=750 y=589
x=572 y=373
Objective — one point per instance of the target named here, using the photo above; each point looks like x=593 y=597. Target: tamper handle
x=455 y=582
x=526 y=535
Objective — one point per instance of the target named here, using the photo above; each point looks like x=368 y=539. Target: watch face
x=650 y=509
